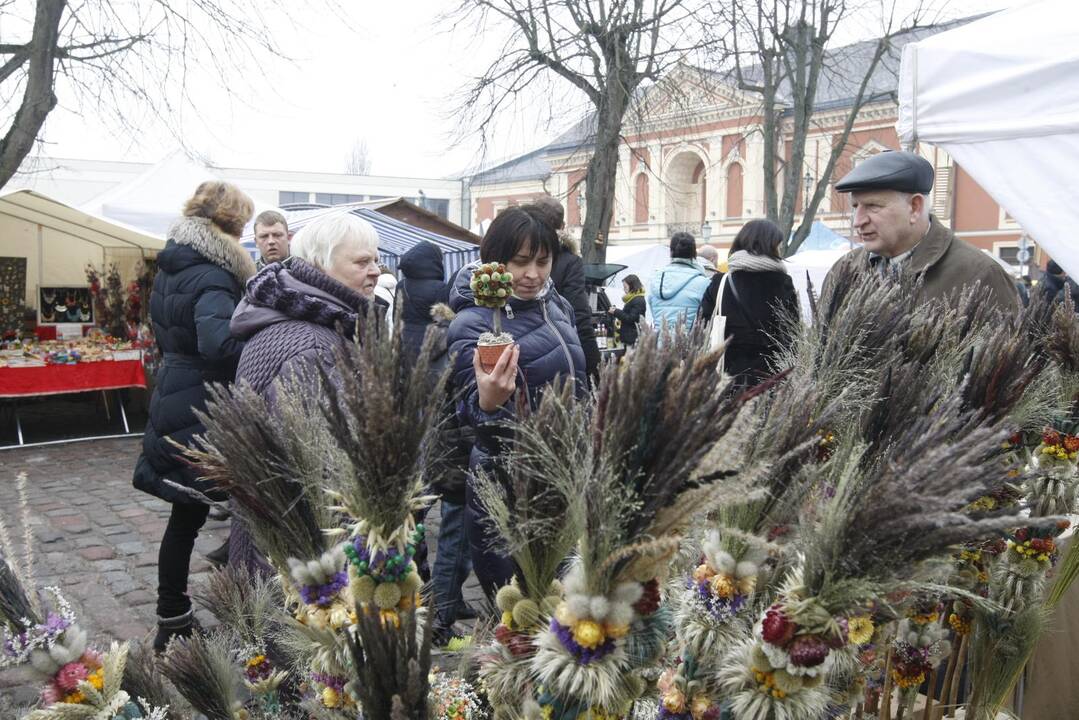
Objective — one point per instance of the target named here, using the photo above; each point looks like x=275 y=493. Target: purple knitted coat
x=292 y=316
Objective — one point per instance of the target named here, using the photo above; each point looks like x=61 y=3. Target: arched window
x=734 y=191
x=640 y=200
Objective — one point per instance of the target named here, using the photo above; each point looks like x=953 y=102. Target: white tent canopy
x=58 y=241
x=153 y=200
x=999 y=95
x=33 y=207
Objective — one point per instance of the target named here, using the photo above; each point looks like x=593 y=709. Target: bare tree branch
x=606 y=49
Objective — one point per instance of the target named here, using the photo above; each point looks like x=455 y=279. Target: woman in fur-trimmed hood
x=201 y=274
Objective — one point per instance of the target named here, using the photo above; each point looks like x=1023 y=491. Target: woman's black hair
x=683 y=246
x=633 y=282
x=759 y=237
x=518 y=230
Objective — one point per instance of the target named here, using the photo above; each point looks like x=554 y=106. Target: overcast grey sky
x=384 y=76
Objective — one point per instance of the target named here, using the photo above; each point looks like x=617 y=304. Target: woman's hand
x=497 y=386
x=611 y=311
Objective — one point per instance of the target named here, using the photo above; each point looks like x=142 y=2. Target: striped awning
x=395 y=238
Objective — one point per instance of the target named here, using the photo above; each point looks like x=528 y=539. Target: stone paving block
x=97 y=552
x=88 y=540
x=112 y=530
x=132 y=512
x=62 y=511
x=134 y=547
x=46 y=535
x=146 y=559
x=72 y=524
x=103 y=566
x=123 y=586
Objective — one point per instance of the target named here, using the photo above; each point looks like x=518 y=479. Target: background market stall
x=45 y=243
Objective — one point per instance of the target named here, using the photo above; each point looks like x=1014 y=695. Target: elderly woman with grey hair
x=295 y=314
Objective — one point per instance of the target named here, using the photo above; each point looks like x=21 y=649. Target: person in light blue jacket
x=676 y=291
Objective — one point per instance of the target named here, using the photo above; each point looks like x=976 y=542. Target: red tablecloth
x=81 y=377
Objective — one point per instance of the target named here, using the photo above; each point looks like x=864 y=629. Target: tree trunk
x=38 y=98
x=602 y=171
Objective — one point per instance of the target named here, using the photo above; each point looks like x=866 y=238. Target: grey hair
x=317 y=241
x=709 y=253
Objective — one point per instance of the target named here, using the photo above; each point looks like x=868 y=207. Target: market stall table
x=42 y=380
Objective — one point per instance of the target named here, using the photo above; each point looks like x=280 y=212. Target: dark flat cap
x=892 y=170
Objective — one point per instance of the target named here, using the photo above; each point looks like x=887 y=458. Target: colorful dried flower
x=860 y=629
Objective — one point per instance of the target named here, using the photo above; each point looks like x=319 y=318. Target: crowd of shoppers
x=221 y=318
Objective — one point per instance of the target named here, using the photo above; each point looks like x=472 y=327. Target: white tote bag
x=717 y=333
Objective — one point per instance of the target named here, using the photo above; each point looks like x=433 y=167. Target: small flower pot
x=489 y=354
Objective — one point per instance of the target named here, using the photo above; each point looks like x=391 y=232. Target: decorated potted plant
x=492 y=287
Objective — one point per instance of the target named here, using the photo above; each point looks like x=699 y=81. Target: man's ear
x=917 y=206
x=290 y=234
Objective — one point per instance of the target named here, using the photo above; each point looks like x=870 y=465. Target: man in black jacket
x=567 y=274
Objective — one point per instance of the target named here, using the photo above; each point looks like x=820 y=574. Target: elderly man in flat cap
x=890 y=201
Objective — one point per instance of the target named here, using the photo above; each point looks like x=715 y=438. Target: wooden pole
x=886 y=693
x=949 y=678
x=957 y=680
x=931 y=689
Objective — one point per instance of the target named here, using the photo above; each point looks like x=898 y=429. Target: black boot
x=219 y=556
x=169 y=628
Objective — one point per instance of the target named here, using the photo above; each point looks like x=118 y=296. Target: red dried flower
x=808 y=650
x=1071 y=443
x=1050 y=437
x=649 y=601
x=776 y=628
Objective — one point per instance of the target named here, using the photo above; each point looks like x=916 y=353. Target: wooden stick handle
x=953 y=697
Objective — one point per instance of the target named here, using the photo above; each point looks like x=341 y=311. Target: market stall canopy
x=153 y=200
x=822 y=237
x=33 y=207
x=598 y=273
x=395 y=238
x=999 y=95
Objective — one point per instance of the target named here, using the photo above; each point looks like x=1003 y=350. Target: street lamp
x=706 y=231
x=808 y=181
x=580 y=206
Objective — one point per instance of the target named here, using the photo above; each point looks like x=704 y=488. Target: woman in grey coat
x=295 y=315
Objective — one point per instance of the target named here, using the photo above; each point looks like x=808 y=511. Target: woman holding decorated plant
x=201 y=275
x=513 y=335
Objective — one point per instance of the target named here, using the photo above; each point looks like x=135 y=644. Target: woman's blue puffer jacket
x=675 y=294
x=546 y=333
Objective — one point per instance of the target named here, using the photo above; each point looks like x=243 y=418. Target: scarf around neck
x=744 y=261
x=629 y=296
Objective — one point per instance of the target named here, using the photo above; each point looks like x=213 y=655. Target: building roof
x=836 y=88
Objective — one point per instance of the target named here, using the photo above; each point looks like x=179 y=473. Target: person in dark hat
x=890 y=205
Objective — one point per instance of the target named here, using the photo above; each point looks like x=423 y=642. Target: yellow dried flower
x=588 y=634
x=860 y=629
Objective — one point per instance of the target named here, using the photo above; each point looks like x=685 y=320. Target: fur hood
x=441 y=312
x=214 y=244
x=569 y=242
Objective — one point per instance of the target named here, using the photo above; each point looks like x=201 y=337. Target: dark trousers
x=453 y=561
x=493 y=569
x=174 y=558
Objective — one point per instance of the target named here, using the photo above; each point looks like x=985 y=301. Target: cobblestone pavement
x=96 y=538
